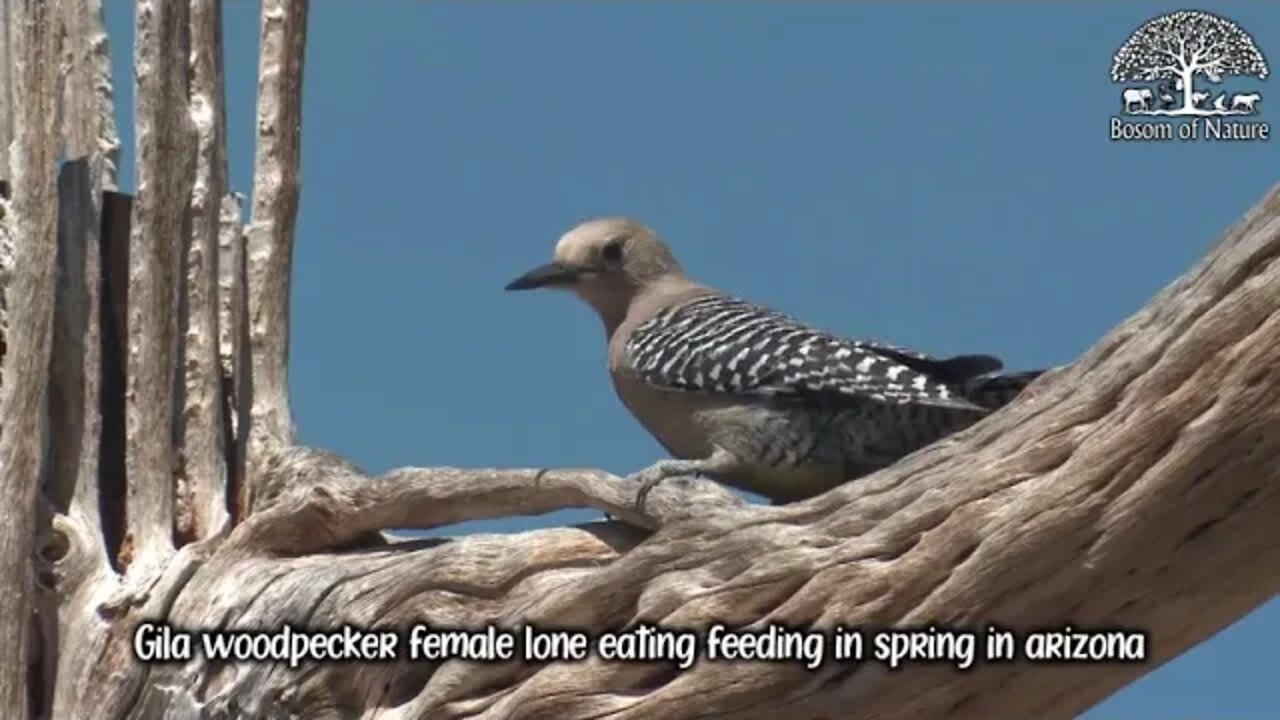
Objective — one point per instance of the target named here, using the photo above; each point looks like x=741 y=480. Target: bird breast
x=672 y=417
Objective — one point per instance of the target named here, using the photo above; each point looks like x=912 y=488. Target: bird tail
x=995 y=390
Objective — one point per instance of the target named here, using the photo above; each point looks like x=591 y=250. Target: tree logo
x=1170 y=66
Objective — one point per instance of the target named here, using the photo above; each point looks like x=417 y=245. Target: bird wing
x=720 y=344
x=953 y=370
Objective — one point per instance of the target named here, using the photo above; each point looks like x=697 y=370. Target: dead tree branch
x=24 y=378
x=202 y=477
x=1134 y=488
x=275 y=209
x=165 y=141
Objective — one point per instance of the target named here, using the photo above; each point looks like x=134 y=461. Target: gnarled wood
x=1136 y=487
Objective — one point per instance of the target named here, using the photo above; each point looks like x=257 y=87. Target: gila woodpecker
x=748 y=396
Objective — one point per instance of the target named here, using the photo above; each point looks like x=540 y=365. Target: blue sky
x=937 y=175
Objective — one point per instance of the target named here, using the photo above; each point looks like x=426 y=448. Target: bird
x=749 y=396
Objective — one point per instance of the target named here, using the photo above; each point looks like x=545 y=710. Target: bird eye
x=612 y=251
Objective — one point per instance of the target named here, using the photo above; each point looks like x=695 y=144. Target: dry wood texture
x=270 y=233
x=1135 y=488
x=202 y=475
x=31 y=221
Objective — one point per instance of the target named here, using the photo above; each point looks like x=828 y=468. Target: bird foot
x=648 y=479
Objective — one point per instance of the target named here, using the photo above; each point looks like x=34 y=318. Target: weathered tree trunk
x=150 y=472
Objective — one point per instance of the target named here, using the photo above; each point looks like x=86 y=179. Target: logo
x=1180 y=71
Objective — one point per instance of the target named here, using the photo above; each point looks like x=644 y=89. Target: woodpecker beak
x=551 y=274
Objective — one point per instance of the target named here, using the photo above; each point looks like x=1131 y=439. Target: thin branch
x=160 y=226
x=322 y=502
x=30 y=299
x=1154 y=72
x=275 y=207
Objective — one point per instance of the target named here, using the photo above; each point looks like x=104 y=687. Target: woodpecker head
x=606 y=262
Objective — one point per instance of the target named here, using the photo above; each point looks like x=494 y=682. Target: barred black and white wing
x=720 y=344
